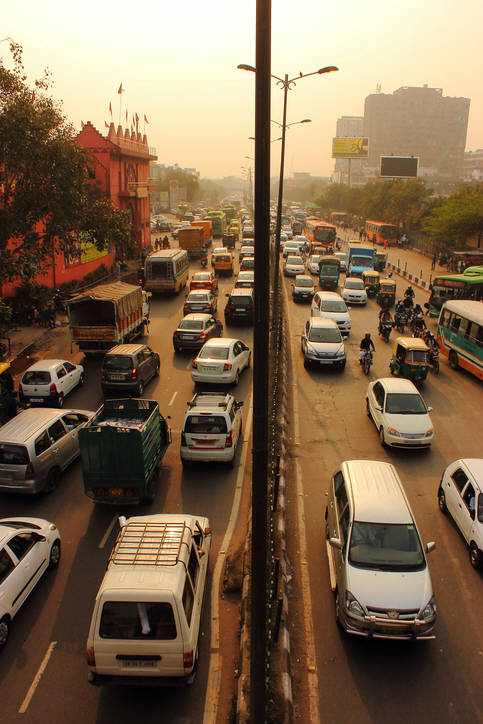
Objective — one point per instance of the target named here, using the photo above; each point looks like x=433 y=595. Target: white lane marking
x=38 y=675
x=312 y=681
x=214 y=671
x=172 y=399
x=108 y=531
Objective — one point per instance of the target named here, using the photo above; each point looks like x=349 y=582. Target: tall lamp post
x=286 y=84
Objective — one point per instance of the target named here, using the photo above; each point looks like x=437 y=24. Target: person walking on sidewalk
x=51 y=316
x=433 y=262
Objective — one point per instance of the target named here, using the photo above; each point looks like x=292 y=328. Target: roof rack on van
x=198 y=399
x=149 y=543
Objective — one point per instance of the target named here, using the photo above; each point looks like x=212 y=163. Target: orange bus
x=381 y=233
x=319 y=232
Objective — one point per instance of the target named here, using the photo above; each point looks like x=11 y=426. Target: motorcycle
x=400 y=321
x=418 y=326
x=204 y=262
x=366 y=360
x=385 y=329
x=434 y=359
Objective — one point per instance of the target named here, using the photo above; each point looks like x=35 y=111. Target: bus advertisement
x=319 y=232
x=468 y=285
x=382 y=233
x=460 y=335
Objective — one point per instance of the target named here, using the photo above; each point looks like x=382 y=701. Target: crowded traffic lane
x=385 y=681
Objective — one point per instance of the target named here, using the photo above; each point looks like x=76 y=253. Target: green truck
x=121 y=448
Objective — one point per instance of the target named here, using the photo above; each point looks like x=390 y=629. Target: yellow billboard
x=350 y=147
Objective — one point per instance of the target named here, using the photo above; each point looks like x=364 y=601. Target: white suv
x=331 y=306
x=211 y=429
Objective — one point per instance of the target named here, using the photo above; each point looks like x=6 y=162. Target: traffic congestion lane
x=65 y=608
x=334 y=427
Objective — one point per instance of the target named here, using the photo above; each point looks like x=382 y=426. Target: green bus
x=468 y=285
x=460 y=334
x=218 y=222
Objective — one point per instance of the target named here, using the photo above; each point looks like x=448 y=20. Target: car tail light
x=183 y=439
x=185 y=307
x=207 y=305
x=53 y=388
x=29 y=471
x=103 y=376
x=175 y=334
x=194 y=363
x=188 y=659
x=227 y=366
x=203 y=335
x=134 y=374
x=91 y=657
x=252 y=308
x=229 y=440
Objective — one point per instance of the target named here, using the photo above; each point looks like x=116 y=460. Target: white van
x=146 y=621
x=331 y=306
x=377 y=562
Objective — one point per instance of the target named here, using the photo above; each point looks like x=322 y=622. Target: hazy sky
x=177 y=64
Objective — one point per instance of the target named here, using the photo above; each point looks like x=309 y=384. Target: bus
x=460 y=334
x=319 y=232
x=468 y=285
x=381 y=233
x=339 y=218
x=166 y=270
x=218 y=222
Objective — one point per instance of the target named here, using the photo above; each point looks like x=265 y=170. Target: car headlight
x=429 y=611
x=394 y=432
x=429 y=432
x=341 y=353
x=353 y=606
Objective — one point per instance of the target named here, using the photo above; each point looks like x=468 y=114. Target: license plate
x=188 y=336
x=208 y=368
x=239 y=309
x=116 y=377
x=204 y=442
x=135 y=664
x=36 y=399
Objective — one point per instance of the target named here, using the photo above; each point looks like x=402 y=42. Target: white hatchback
x=294 y=265
x=50 y=381
x=354 y=291
x=313 y=265
x=221 y=361
x=399 y=413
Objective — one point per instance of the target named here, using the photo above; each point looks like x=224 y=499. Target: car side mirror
x=430 y=547
x=426 y=305
x=227 y=295
x=378 y=408
x=430 y=409
x=335 y=543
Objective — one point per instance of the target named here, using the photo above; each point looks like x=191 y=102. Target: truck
x=207 y=230
x=121 y=448
x=191 y=238
x=361 y=258
x=106 y=315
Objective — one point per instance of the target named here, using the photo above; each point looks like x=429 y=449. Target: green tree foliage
x=46 y=200
x=454 y=220
x=185 y=179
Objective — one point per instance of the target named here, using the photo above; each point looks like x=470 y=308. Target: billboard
x=350 y=147
x=399 y=166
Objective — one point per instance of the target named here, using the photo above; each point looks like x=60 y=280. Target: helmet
x=368 y=335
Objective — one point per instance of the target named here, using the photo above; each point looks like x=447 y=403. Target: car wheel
x=453 y=359
x=368 y=410
x=249 y=360
x=51 y=482
x=60 y=400
x=342 y=366
x=156 y=370
x=185 y=463
x=337 y=606
x=306 y=363
x=81 y=380
x=140 y=388
x=54 y=557
x=237 y=377
x=442 y=500
x=4 y=631
x=381 y=436
x=475 y=556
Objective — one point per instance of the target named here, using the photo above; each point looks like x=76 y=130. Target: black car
x=128 y=367
x=194 y=330
x=240 y=305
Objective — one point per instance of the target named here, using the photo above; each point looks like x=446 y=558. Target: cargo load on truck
x=361 y=258
x=205 y=224
x=106 y=315
x=121 y=448
x=191 y=238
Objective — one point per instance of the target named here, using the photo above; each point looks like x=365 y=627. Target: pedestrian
x=165 y=242
x=36 y=316
x=51 y=316
x=433 y=263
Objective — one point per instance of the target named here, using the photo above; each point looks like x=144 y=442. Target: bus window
x=455 y=323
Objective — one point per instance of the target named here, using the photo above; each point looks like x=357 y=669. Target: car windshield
x=333 y=305
x=324 y=335
x=294 y=260
x=117 y=362
x=356 y=284
x=215 y=352
x=386 y=547
x=36 y=377
x=405 y=404
x=13 y=454
x=304 y=283
x=417 y=355
x=480 y=507
x=205 y=424
x=197 y=297
x=246 y=276
x=201 y=277
x=315 y=259
x=240 y=301
x=191 y=324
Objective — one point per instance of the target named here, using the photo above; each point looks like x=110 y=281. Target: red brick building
x=120 y=165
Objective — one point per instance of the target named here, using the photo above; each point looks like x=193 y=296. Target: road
x=352 y=679
x=50 y=630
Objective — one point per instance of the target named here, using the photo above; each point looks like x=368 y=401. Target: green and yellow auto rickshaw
x=386 y=296
x=371 y=281
x=380 y=260
x=410 y=359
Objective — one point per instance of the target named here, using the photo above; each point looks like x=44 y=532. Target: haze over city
x=178 y=67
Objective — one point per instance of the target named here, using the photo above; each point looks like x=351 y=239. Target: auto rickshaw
x=380 y=260
x=386 y=296
x=371 y=281
x=410 y=359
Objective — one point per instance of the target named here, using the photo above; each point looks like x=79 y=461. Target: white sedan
x=399 y=413
x=28 y=547
x=293 y=266
x=354 y=291
x=221 y=361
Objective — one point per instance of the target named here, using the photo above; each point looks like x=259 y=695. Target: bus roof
x=166 y=254
x=381 y=223
x=473 y=271
x=468 y=279
x=467 y=308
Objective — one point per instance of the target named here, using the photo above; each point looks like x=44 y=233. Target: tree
x=455 y=219
x=46 y=199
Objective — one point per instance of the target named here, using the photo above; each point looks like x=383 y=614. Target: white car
x=331 y=306
x=28 y=547
x=460 y=493
x=221 y=361
x=399 y=413
x=246 y=251
x=354 y=291
x=294 y=265
x=303 y=288
x=287 y=231
x=219 y=250
x=290 y=247
x=50 y=381
x=342 y=256
x=212 y=429
x=313 y=265
x=322 y=343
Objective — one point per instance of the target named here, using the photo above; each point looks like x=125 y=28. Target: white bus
x=166 y=270
x=460 y=334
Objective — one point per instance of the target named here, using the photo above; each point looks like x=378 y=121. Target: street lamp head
x=306 y=120
x=243 y=66
x=327 y=69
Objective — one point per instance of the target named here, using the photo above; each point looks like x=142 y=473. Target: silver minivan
x=377 y=562
x=36 y=446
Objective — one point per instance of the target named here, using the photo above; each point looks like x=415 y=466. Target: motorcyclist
x=418 y=325
x=430 y=340
x=417 y=309
x=365 y=346
x=204 y=259
x=384 y=316
x=409 y=292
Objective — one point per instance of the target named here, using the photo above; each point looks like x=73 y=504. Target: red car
x=204 y=280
